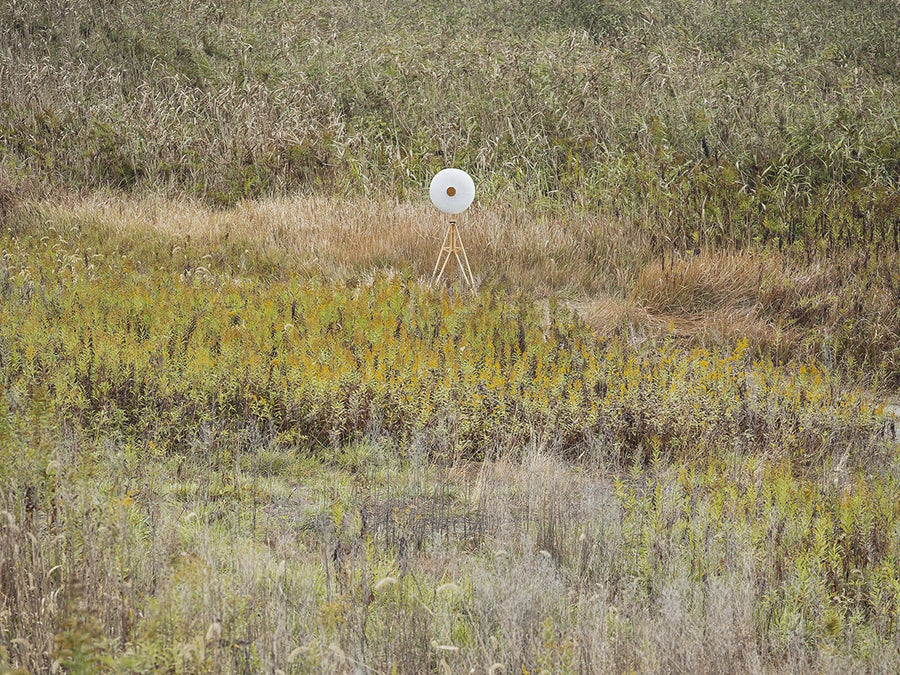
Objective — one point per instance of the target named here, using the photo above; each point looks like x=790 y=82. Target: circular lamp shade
x=452 y=190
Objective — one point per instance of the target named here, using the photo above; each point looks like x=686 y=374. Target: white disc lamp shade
x=452 y=190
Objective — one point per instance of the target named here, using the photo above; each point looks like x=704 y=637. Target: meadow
x=240 y=431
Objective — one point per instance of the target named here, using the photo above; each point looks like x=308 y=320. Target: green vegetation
x=701 y=122
x=240 y=433
x=200 y=459
x=116 y=345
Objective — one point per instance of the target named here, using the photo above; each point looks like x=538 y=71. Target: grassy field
x=699 y=122
x=241 y=432
x=222 y=453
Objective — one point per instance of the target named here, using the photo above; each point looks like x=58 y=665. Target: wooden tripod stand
x=453 y=246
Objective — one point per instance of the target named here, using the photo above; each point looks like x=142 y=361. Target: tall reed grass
x=703 y=123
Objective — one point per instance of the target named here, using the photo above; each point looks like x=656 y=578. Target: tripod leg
x=471 y=277
x=441 y=254
x=462 y=268
x=443 y=267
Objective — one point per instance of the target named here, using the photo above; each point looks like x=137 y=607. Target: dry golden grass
x=539 y=251
x=709 y=280
x=709 y=298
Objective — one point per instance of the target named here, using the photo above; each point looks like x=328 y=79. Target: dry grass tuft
x=710 y=280
x=711 y=298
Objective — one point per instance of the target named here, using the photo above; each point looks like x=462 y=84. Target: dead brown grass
x=707 y=281
x=540 y=252
x=709 y=298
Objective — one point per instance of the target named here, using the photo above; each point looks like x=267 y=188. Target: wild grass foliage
x=130 y=560
x=214 y=461
x=253 y=440
x=839 y=309
x=115 y=344
x=702 y=122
